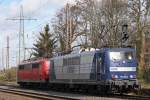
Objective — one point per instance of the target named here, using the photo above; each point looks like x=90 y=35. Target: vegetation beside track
x=8 y=75
x=145 y=89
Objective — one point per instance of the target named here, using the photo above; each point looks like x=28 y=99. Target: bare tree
x=66 y=26
x=104 y=21
x=139 y=15
x=115 y=14
x=92 y=22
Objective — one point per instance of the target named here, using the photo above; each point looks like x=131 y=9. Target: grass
x=144 y=84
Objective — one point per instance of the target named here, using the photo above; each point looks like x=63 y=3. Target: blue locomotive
x=104 y=70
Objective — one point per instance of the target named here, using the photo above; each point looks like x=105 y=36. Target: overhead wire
x=39 y=25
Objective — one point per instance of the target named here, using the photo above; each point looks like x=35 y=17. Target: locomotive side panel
x=33 y=72
x=58 y=68
x=86 y=66
x=77 y=68
x=24 y=73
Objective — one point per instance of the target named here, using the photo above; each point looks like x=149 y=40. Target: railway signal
x=125 y=35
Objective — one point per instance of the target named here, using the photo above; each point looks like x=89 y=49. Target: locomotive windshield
x=121 y=55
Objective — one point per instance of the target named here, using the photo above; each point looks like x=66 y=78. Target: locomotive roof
x=93 y=52
x=33 y=61
x=78 y=54
x=118 y=49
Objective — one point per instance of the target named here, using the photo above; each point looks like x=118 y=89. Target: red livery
x=33 y=71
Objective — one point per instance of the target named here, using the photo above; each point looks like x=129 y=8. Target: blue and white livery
x=106 y=69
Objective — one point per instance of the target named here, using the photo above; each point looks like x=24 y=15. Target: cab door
x=99 y=66
x=35 y=72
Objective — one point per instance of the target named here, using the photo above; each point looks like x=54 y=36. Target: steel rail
x=123 y=96
x=130 y=97
x=36 y=95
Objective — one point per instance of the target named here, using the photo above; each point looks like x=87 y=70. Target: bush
x=8 y=75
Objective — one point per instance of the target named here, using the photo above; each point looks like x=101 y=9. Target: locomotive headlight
x=131 y=76
x=130 y=57
x=116 y=76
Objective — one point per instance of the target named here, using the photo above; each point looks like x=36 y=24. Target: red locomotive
x=33 y=72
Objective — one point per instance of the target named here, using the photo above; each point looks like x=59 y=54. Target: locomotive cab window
x=28 y=67
x=21 y=67
x=121 y=55
x=35 y=65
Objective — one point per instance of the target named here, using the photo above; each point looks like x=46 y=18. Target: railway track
x=16 y=90
x=130 y=97
x=36 y=94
